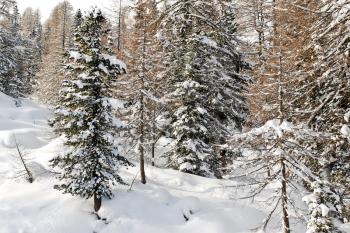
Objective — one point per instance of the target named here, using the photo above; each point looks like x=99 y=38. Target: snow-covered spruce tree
x=77 y=19
x=142 y=78
x=320 y=204
x=8 y=63
x=8 y=51
x=19 y=56
x=202 y=83
x=84 y=117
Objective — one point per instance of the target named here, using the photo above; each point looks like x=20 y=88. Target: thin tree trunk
x=64 y=26
x=119 y=26
x=97 y=202
x=153 y=136
x=153 y=150
x=142 y=108
x=142 y=155
x=286 y=226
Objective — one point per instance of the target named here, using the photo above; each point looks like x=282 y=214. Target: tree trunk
x=142 y=106
x=64 y=25
x=142 y=152
x=153 y=152
x=119 y=26
x=142 y=134
x=153 y=136
x=97 y=202
x=286 y=227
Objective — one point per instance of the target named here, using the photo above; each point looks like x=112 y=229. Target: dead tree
x=21 y=156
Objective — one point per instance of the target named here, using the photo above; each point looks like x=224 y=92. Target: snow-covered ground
x=160 y=206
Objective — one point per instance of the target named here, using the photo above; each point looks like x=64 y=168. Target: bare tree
x=25 y=171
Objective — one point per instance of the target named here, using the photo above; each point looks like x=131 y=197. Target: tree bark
x=97 y=202
x=142 y=152
x=286 y=226
x=30 y=175
x=119 y=26
x=142 y=107
x=153 y=136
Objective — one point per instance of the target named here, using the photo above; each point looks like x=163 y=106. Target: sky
x=46 y=6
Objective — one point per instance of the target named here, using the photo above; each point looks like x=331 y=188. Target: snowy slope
x=158 y=207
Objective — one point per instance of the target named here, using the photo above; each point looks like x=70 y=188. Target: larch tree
x=325 y=82
x=277 y=153
x=57 y=37
x=325 y=89
x=277 y=31
x=281 y=87
x=91 y=163
x=142 y=77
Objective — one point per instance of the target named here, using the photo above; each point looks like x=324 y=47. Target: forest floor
x=170 y=202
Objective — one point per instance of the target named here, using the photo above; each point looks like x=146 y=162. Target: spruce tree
x=19 y=55
x=90 y=165
x=77 y=19
x=203 y=83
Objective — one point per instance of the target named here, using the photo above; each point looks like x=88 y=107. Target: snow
x=162 y=205
x=347 y=117
x=186 y=166
x=345 y=130
x=324 y=209
x=114 y=61
x=310 y=198
x=159 y=206
x=75 y=55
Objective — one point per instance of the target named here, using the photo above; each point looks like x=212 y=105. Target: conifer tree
x=324 y=84
x=142 y=77
x=57 y=38
x=19 y=55
x=91 y=163
x=278 y=152
x=77 y=20
x=325 y=79
x=203 y=83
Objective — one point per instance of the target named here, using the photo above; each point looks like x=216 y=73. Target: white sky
x=46 y=6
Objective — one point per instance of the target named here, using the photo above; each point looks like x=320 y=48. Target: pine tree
x=84 y=116
x=203 y=83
